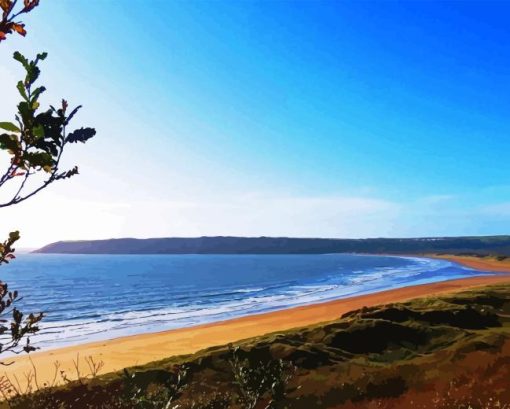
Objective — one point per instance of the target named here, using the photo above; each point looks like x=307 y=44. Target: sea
x=96 y=297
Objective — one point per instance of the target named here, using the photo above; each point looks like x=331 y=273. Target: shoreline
x=127 y=351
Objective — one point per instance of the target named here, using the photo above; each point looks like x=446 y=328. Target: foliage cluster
x=151 y=390
x=259 y=379
x=34 y=143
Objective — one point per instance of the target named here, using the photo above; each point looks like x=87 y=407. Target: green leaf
x=42 y=159
x=68 y=174
x=81 y=135
x=21 y=90
x=9 y=126
x=21 y=58
x=25 y=111
x=36 y=92
x=32 y=73
x=41 y=56
x=70 y=116
x=14 y=235
x=9 y=142
x=38 y=131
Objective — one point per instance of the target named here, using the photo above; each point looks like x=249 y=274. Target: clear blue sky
x=337 y=119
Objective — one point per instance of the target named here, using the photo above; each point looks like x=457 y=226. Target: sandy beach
x=140 y=349
x=478 y=263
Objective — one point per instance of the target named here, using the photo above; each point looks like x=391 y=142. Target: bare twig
x=94 y=367
x=35 y=372
x=76 y=364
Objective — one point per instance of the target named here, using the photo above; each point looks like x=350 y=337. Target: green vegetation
x=34 y=143
x=441 y=352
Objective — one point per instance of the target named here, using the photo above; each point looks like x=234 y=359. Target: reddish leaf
x=5 y=5
x=19 y=28
x=30 y=4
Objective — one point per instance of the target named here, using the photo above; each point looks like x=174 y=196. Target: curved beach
x=134 y=350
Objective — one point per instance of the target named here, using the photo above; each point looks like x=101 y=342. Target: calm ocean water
x=96 y=297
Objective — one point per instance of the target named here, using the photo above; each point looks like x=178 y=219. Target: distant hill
x=484 y=245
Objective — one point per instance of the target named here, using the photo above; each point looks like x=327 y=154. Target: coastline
x=122 y=352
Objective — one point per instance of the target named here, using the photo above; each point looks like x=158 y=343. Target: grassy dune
x=451 y=351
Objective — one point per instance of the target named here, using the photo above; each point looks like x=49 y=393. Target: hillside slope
x=488 y=245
